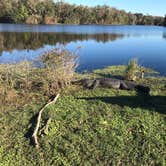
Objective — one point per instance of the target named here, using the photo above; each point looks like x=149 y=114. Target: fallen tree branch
x=34 y=136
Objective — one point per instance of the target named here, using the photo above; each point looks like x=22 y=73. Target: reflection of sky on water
x=21 y=55
x=95 y=55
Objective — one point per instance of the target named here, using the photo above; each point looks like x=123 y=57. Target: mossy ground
x=91 y=127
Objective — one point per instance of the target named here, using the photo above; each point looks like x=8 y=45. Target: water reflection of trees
x=164 y=35
x=14 y=40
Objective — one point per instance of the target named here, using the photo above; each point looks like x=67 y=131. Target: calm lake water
x=101 y=46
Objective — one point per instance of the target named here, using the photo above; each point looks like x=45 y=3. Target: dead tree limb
x=34 y=136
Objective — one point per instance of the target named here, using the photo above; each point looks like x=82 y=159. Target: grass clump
x=14 y=79
x=131 y=70
x=135 y=71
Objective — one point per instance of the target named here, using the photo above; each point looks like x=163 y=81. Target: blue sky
x=153 y=7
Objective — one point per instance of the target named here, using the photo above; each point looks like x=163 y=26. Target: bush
x=131 y=70
x=13 y=79
x=57 y=68
x=50 y=20
x=34 y=19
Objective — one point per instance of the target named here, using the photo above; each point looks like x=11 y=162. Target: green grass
x=90 y=127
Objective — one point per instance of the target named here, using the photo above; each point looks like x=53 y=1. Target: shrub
x=131 y=70
x=33 y=19
x=16 y=75
x=13 y=79
x=50 y=20
x=59 y=69
x=56 y=70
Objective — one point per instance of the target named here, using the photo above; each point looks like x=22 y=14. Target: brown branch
x=34 y=136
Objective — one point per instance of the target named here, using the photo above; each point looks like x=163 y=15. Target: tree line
x=50 y=12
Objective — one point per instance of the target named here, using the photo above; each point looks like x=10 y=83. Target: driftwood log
x=34 y=136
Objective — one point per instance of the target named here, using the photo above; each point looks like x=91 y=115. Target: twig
x=34 y=136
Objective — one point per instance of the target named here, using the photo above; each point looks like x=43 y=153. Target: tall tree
x=25 y=11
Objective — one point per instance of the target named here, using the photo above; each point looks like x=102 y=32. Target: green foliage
x=20 y=14
x=45 y=8
x=111 y=71
x=72 y=14
x=132 y=69
x=5 y=7
x=90 y=127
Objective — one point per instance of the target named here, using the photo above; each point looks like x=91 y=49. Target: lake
x=101 y=45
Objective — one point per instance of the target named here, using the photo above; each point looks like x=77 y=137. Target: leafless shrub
x=59 y=69
x=55 y=73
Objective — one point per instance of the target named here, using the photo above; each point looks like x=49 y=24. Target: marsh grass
x=14 y=79
x=135 y=71
x=131 y=70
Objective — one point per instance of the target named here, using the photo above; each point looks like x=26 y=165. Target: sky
x=152 y=7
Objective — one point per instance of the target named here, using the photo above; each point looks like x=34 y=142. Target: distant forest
x=49 y=12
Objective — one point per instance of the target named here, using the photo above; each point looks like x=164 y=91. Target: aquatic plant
x=131 y=70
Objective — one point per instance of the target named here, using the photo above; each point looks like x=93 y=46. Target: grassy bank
x=90 y=127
